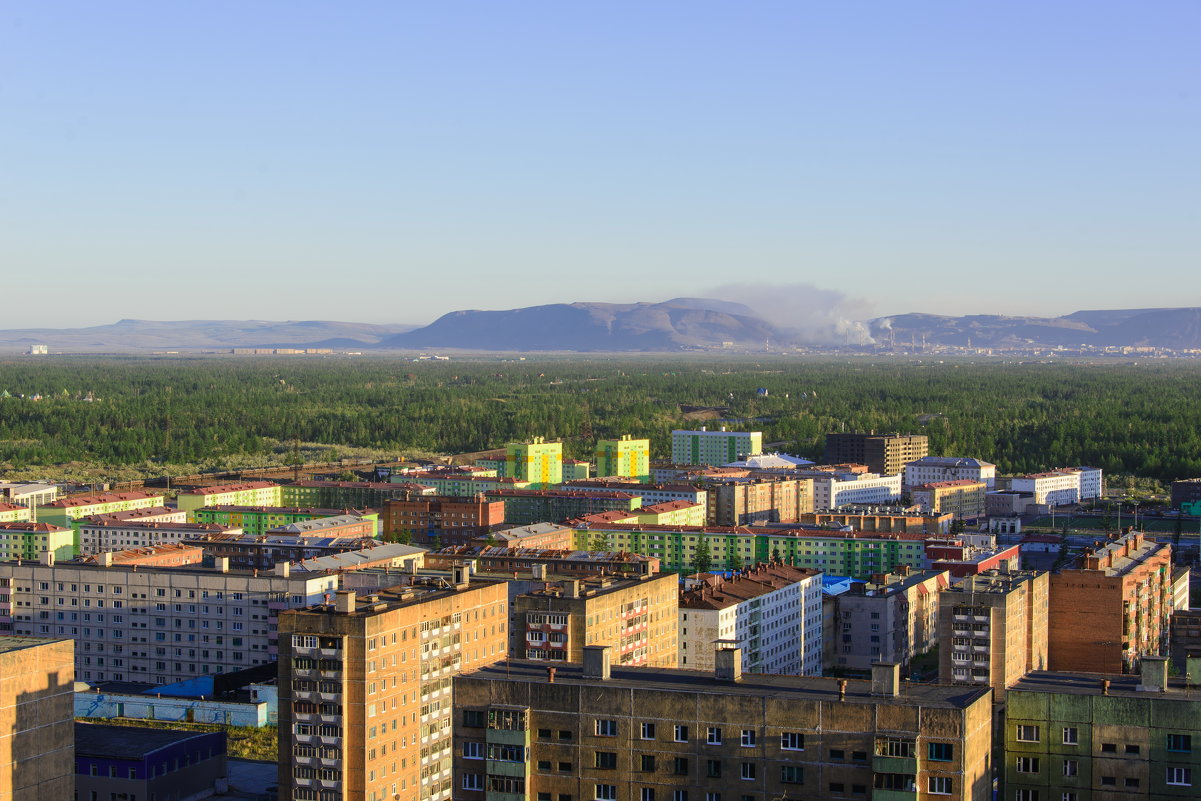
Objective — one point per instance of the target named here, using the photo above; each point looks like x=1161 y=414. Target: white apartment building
x=772 y=612
x=833 y=491
x=156 y=625
x=1055 y=487
x=714 y=447
x=114 y=535
x=651 y=494
x=1092 y=482
x=930 y=469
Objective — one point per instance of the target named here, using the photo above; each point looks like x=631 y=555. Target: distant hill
x=139 y=335
x=1163 y=328
x=679 y=324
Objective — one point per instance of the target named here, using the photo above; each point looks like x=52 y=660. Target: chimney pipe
x=221 y=563
x=842 y=689
x=1105 y=687
x=550 y=675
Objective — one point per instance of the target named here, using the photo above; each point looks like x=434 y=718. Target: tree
x=702 y=562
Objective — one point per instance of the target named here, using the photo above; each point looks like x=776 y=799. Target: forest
x=100 y=416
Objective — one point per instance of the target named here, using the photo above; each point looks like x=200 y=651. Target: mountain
x=1161 y=328
x=137 y=335
x=679 y=324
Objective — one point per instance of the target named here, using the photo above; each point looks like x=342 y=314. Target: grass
x=243 y=742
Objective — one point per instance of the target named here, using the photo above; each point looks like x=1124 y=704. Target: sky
x=388 y=162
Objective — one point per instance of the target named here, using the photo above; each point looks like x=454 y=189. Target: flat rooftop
x=1123 y=686
x=427 y=587
x=9 y=642
x=802 y=688
x=126 y=742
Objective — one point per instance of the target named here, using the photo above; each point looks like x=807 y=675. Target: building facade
x=832 y=491
x=37 y=734
x=97 y=536
x=31 y=540
x=949 y=468
x=886 y=455
x=714 y=447
x=625 y=457
x=538 y=462
x=247 y=493
x=962 y=498
x=255 y=520
x=755 y=501
x=454 y=521
x=893 y=618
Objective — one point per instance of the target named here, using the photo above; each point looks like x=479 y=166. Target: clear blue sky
x=391 y=161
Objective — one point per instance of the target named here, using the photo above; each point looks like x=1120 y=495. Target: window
x=713 y=768
x=748 y=738
x=939 y=785
x=606 y=728
x=1071 y=736
x=1027 y=764
x=473 y=717
x=1180 y=742
x=1109 y=748
x=606 y=759
x=648 y=763
x=792 y=774
x=1071 y=767
x=679 y=795
x=648 y=731
x=748 y=771
x=1131 y=782
x=1180 y=777
x=1027 y=734
x=836 y=754
x=680 y=734
x=1109 y=781
x=940 y=752
x=473 y=781
x=1132 y=749
x=1025 y=795
x=713 y=737
x=473 y=750
x=1069 y=797
x=679 y=766
x=648 y=794
x=793 y=741
x=712 y=796
x=606 y=792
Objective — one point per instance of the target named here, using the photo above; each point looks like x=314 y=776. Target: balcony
x=514 y=770
x=887 y=764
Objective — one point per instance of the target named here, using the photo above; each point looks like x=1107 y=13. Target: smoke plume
x=811 y=315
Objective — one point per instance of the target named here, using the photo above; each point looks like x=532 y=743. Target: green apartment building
x=1101 y=737
x=843 y=554
x=523 y=507
x=346 y=494
x=30 y=540
x=249 y=493
x=626 y=457
x=538 y=462
x=460 y=485
x=11 y=513
x=68 y=512
x=714 y=447
x=257 y=520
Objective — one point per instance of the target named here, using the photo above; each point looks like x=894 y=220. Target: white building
x=930 y=469
x=1092 y=482
x=156 y=625
x=714 y=447
x=1053 y=488
x=839 y=489
x=99 y=536
x=773 y=613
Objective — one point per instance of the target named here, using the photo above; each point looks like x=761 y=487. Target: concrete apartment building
x=525 y=506
x=128 y=762
x=257 y=520
x=625 y=457
x=148 y=514
x=892 y=618
x=1112 y=607
x=365 y=704
x=453 y=520
x=1186 y=495
x=37 y=703
x=948 y=468
x=30 y=496
x=885 y=454
x=159 y=625
x=651 y=494
x=12 y=513
x=962 y=498
x=544 y=561
x=175 y=555
x=1094 y=737
x=640 y=734
x=772 y=612
x=636 y=616
x=714 y=447
x=245 y=493
x=992 y=629
x=347 y=494
x=264 y=551
x=896 y=520
x=755 y=501
x=31 y=540
x=538 y=462
x=67 y=511
x=97 y=536
x=834 y=490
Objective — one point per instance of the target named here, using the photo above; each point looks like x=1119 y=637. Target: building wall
x=37 y=729
x=626 y=457
x=832 y=492
x=714 y=447
x=886 y=455
x=931 y=469
x=538 y=462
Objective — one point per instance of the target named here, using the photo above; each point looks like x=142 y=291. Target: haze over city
x=222 y=160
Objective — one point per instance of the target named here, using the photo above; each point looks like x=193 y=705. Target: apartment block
x=347 y=494
x=30 y=496
x=651 y=494
x=98 y=534
x=525 y=506
x=454 y=521
x=246 y=493
x=1112 y=606
x=148 y=514
x=593 y=731
x=37 y=729
x=156 y=625
x=12 y=513
x=625 y=457
x=538 y=462
x=1052 y=488
x=714 y=447
x=669 y=513
x=772 y=612
x=992 y=629
x=65 y=512
x=265 y=551
x=636 y=616
x=929 y=469
x=543 y=562
x=834 y=490
x=1093 y=737
x=31 y=540
x=892 y=618
x=1186 y=496
x=748 y=501
x=898 y=521
x=365 y=694
x=458 y=483
x=884 y=454
x=174 y=555
x=257 y=520
x=962 y=498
